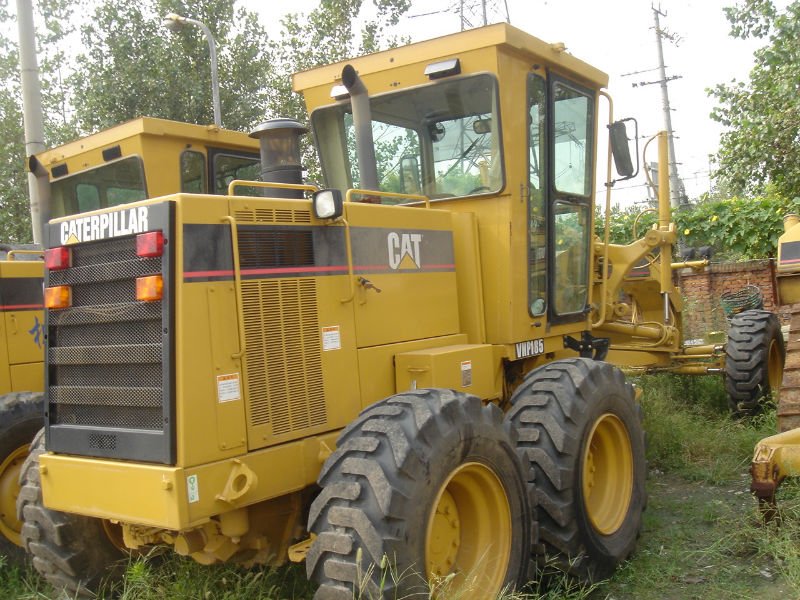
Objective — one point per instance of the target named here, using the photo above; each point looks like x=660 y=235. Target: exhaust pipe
x=43 y=194
x=362 y=122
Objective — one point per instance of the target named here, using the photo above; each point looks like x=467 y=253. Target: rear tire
x=755 y=358
x=72 y=552
x=21 y=416
x=424 y=486
x=581 y=430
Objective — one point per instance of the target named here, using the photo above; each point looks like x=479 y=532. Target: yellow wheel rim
x=607 y=474
x=10 y=469
x=774 y=367
x=469 y=532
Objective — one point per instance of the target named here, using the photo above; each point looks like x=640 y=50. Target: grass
x=702 y=535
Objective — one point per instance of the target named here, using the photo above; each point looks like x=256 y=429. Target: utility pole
x=31 y=108
x=675 y=184
x=482 y=12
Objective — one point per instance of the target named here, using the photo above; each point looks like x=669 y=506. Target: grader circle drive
x=418 y=376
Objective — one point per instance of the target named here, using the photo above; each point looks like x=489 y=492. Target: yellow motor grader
x=414 y=369
x=136 y=160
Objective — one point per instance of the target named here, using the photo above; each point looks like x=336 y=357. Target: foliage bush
x=737 y=228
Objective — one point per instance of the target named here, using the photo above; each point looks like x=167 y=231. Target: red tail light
x=150 y=245
x=57 y=259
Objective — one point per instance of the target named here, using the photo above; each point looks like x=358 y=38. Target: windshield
x=441 y=140
x=111 y=184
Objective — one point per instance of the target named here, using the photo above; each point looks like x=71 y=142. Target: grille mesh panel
x=106 y=334
x=270 y=248
x=107 y=375
x=106 y=272
x=111 y=313
x=270 y=215
x=284 y=363
x=104 y=416
x=105 y=352
x=104 y=252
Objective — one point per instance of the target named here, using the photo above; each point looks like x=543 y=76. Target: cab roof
x=148 y=126
x=500 y=36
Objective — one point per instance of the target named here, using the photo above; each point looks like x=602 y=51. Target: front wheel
x=755 y=355
x=425 y=489
x=581 y=430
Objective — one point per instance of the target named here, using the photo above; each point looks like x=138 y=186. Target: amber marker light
x=150 y=288
x=57 y=259
x=150 y=245
x=57 y=297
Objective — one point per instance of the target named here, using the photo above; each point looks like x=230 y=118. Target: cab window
x=571 y=151
x=537 y=190
x=441 y=140
x=229 y=166
x=113 y=183
x=572 y=136
x=193 y=172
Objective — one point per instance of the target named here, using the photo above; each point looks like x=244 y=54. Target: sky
x=617 y=37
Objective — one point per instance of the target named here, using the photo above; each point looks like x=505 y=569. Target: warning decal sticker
x=331 y=339
x=228 y=388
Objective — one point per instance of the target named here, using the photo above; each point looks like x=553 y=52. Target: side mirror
x=482 y=126
x=620 y=149
x=327 y=204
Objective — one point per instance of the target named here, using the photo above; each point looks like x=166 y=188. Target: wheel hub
x=10 y=470
x=607 y=477
x=469 y=532
x=445 y=537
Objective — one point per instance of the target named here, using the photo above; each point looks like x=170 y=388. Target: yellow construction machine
x=398 y=378
x=778 y=457
x=136 y=160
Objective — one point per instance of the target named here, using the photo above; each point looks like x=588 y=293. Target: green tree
x=52 y=17
x=132 y=66
x=762 y=114
x=737 y=228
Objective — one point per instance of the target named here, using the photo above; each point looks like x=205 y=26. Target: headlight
x=327 y=204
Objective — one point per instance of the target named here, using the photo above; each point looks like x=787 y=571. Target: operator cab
x=144 y=158
x=503 y=129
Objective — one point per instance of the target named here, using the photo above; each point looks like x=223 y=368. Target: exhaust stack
x=362 y=121
x=279 y=144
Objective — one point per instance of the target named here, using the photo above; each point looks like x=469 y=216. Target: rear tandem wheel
x=581 y=430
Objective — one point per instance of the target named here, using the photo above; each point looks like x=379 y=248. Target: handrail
x=350 y=271
x=414 y=197
x=237 y=286
x=607 y=228
x=12 y=254
x=269 y=184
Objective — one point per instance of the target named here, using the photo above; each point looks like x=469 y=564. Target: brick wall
x=702 y=290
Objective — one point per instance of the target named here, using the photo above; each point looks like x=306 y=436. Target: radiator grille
x=105 y=352
x=271 y=248
x=272 y=215
x=283 y=360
